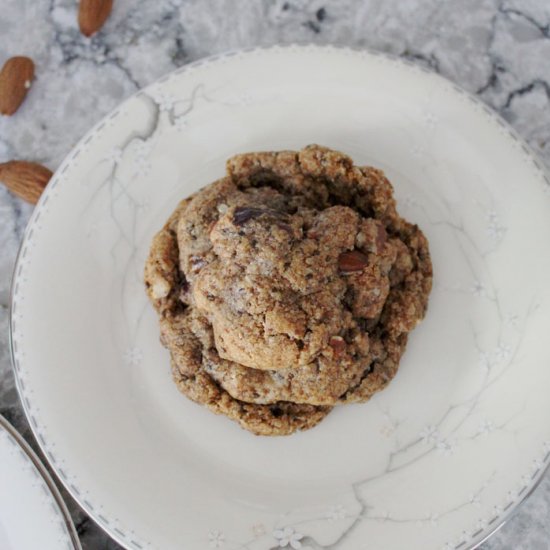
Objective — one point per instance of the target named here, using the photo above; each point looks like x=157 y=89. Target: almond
x=351 y=262
x=92 y=14
x=25 y=179
x=338 y=344
x=15 y=80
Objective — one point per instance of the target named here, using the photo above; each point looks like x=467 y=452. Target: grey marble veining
x=498 y=49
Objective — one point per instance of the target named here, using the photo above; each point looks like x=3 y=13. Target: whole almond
x=92 y=14
x=15 y=80
x=25 y=179
x=353 y=261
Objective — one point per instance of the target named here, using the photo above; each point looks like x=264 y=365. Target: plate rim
x=107 y=526
x=46 y=477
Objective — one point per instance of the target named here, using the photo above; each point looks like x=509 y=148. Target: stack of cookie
x=287 y=287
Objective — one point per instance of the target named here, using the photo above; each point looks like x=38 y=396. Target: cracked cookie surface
x=290 y=285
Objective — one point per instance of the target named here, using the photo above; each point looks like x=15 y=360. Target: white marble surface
x=498 y=49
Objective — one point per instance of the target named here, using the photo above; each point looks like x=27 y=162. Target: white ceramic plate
x=439 y=459
x=32 y=512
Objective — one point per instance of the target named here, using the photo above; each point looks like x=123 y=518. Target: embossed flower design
x=485 y=427
x=387 y=430
x=259 y=529
x=478 y=289
x=336 y=512
x=164 y=101
x=409 y=201
x=446 y=446
x=180 y=123
x=429 y=435
x=475 y=500
x=142 y=166
x=418 y=151
x=494 y=229
x=143 y=149
x=512 y=320
x=142 y=163
x=114 y=155
x=216 y=539
x=496 y=232
x=133 y=356
x=287 y=537
x=503 y=352
x=245 y=99
x=430 y=119
x=433 y=519
x=484 y=360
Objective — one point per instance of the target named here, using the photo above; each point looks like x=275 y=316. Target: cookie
x=291 y=281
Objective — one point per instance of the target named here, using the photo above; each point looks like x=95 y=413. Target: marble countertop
x=497 y=49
